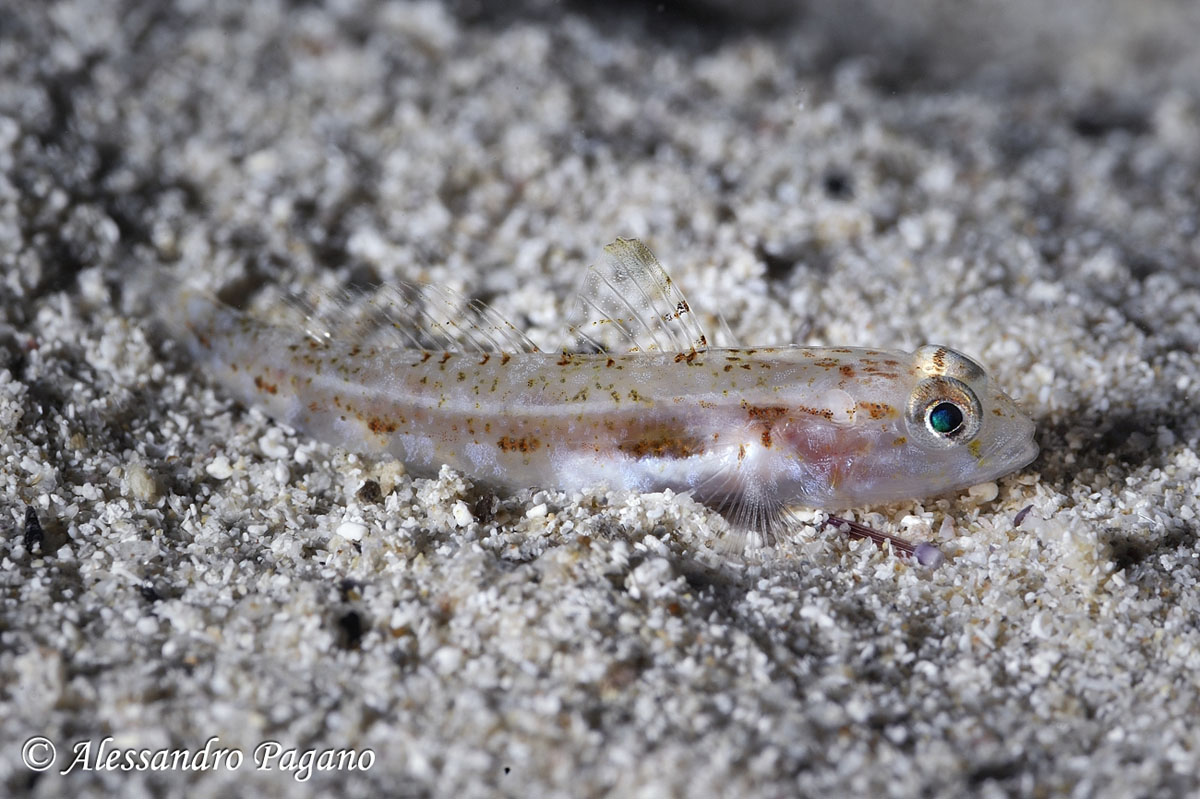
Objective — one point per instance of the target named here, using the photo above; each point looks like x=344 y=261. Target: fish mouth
x=1027 y=455
x=1012 y=458
x=1015 y=445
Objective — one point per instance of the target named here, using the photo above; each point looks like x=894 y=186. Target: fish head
x=938 y=426
x=961 y=429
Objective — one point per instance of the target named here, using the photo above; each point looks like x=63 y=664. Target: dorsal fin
x=629 y=303
x=410 y=316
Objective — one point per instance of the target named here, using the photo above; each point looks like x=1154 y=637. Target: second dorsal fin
x=628 y=302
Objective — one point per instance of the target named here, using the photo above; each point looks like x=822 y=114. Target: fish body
x=748 y=431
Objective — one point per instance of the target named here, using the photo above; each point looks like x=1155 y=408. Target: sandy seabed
x=178 y=568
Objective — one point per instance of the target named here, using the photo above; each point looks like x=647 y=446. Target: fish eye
x=944 y=412
x=944 y=418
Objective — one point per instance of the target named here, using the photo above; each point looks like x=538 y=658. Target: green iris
x=945 y=418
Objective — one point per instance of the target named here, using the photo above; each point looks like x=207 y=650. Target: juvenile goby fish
x=639 y=401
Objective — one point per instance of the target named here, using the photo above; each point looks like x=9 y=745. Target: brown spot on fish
x=518 y=443
x=380 y=426
x=826 y=363
x=487 y=356
x=900 y=442
x=765 y=417
x=939 y=359
x=847 y=370
x=264 y=386
x=505 y=358
x=877 y=410
x=662 y=443
x=728 y=366
x=878 y=371
x=767 y=414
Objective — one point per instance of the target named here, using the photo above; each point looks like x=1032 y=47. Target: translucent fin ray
x=753 y=511
x=409 y=316
x=751 y=508
x=629 y=303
